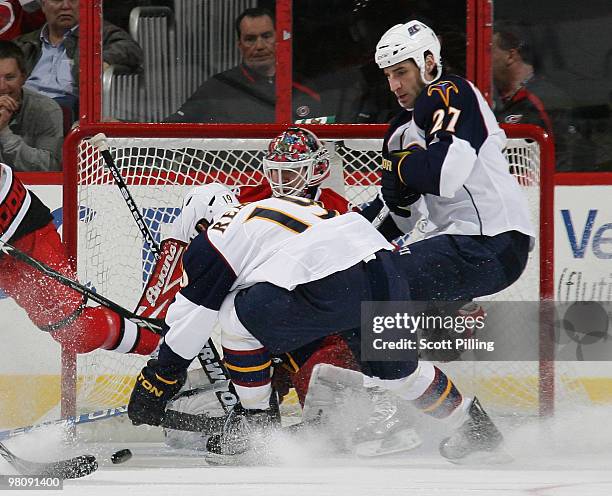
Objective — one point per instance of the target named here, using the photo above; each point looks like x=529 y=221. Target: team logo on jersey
x=513 y=118
x=444 y=88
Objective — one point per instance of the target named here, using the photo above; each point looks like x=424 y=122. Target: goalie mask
x=295 y=161
x=412 y=40
x=202 y=205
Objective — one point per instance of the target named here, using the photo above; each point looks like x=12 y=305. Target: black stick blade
x=72 y=468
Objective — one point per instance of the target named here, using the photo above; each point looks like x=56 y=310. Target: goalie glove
x=395 y=193
x=153 y=390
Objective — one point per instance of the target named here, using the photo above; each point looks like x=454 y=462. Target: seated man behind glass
x=51 y=53
x=247 y=92
x=524 y=96
x=31 y=127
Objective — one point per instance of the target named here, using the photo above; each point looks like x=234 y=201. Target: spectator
x=31 y=124
x=19 y=16
x=52 y=52
x=247 y=92
x=525 y=97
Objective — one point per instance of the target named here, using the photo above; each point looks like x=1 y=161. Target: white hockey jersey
x=456 y=163
x=285 y=242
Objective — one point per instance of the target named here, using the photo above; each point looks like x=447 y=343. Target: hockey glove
x=396 y=194
x=151 y=394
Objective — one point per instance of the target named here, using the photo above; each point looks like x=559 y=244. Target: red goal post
x=159 y=160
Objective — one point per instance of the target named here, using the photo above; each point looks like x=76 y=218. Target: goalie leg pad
x=164 y=282
x=326 y=383
x=334 y=351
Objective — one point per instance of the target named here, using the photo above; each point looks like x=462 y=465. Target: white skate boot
x=388 y=430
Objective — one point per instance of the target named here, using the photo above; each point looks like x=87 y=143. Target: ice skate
x=245 y=437
x=388 y=430
x=477 y=441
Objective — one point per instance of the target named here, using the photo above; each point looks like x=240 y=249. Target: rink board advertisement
x=583 y=243
x=583 y=271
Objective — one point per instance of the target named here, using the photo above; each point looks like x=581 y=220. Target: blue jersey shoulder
x=209 y=275
x=450 y=105
x=448 y=91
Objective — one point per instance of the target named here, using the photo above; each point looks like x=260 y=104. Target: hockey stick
x=155 y=325
x=206 y=424
x=71 y=468
x=86 y=418
x=99 y=141
x=209 y=357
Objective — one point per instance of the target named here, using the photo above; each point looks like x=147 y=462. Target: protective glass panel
x=196 y=66
x=551 y=66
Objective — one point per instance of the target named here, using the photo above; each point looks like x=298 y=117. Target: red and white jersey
x=15 y=201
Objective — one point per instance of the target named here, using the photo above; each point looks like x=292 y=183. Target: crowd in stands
x=39 y=67
x=39 y=77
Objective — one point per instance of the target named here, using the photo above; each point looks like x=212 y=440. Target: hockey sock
x=146 y=343
x=250 y=371
x=129 y=338
x=441 y=398
x=428 y=388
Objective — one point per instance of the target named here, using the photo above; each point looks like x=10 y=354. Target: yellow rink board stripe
x=25 y=398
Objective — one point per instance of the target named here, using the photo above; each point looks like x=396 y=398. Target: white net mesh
x=114 y=259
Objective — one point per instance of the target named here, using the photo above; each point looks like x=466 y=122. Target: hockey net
x=113 y=258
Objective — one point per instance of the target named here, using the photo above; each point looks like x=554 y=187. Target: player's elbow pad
x=456 y=167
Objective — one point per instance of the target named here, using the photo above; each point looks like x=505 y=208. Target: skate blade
x=247 y=459
x=498 y=456
x=262 y=455
x=401 y=441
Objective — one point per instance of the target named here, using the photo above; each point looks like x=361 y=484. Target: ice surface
x=568 y=455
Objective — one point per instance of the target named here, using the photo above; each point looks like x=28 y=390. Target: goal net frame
x=333 y=133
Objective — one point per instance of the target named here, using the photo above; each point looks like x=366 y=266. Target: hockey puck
x=121 y=456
